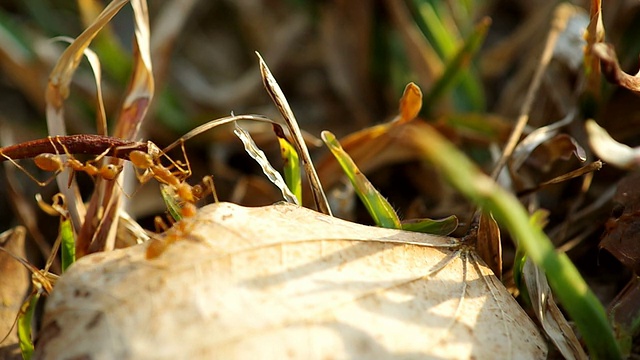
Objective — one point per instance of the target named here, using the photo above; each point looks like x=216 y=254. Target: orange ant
x=55 y=163
x=152 y=168
x=149 y=163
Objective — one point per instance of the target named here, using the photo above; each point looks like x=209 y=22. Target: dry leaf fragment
x=609 y=150
x=488 y=243
x=622 y=238
x=611 y=68
x=553 y=321
x=410 y=103
x=284 y=282
x=15 y=283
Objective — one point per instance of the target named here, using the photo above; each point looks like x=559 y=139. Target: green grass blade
x=378 y=207
x=458 y=66
x=428 y=226
x=538 y=219
x=292 y=174
x=430 y=20
x=565 y=280
x=24 y=326
x=68 y=246
x=437 y=25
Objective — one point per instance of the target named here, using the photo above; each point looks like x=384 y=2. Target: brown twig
x=76 y=144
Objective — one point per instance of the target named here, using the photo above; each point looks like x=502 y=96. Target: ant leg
x=181 y=173
x=186 y=159
x=70 y=162
x=40 y=183
x=203 y=189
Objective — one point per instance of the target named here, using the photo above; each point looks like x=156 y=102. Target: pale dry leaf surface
x=14 y=283
x=284 y=282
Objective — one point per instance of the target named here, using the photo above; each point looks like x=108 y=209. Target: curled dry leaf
x=611 y=68
x=546 y=310
x=609 y=150
x=282 y=282
x=371 y=148
x=410 y=103
x=15 y=282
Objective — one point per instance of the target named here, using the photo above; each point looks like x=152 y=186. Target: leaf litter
x=570 y=224
x=286 y=282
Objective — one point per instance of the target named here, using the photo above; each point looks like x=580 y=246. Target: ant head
x=111 y=171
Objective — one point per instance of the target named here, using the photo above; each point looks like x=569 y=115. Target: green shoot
x=68 y=246
x=24 y=326
x=291 y=168
x=459 y=63
x=379 y=208
x=429 y=226
x=579 y=301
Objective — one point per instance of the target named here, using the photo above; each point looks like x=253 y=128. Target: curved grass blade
x=68 y=246
x=24 y=326
x=259 y=156
x=579 y=301
x=456 y=68
x=433 y=19
x=378 y=207
x=276 y=94
x=429 y=226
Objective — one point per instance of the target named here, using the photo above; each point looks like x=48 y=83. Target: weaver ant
x=187 y=195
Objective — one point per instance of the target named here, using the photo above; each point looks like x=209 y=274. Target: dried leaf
x=141 y=87
x=100 y=235
x=535 y=139
x=488 y=244
x=553 y=321
x=625 y=314
x=261 y=158
x=410 y=103
x=621 y=237
x=611 y=68
x=609 y=150
x=276 y=94
x=595 y=34
x=286 y=282
x=15 y=282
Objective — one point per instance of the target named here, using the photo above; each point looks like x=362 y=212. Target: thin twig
x=279 y=99
x=88 y=144
x=559 y=23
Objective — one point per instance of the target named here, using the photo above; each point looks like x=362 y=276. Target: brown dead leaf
x=611 y=68
x=488 y=244
x=624 y=311
x=553 y=322
x=370 y=147
x=622 y=234
x=410 y=103
x=284 y=282
x=15 y=284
